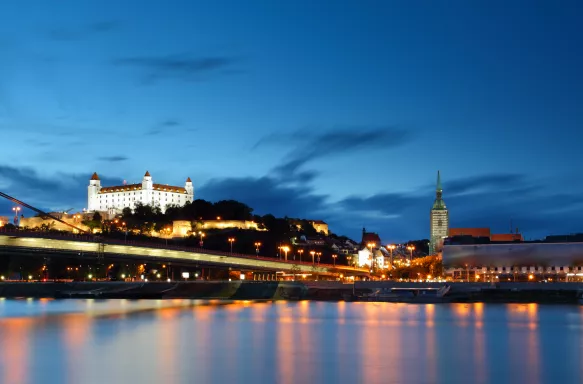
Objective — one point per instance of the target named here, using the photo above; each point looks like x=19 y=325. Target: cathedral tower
x=439 y=220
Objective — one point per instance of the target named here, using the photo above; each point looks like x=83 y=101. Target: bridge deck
x=45 y=243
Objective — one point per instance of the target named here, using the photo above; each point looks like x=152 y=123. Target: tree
x=97 y=217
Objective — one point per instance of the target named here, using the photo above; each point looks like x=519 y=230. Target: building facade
x=115 y=199
x=438 y=220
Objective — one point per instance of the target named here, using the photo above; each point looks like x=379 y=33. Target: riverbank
x=551 y=293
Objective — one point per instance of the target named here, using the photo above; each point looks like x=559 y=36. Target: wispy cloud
x=308 y=146
x=83 y=32
x=163 y=126
x=113 y=159
x=178 y=66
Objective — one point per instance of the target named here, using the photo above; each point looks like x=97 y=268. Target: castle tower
x=92 y=191
x=147 y=182
x=439 y=220
x=189 y=189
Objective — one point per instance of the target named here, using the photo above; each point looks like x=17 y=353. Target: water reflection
x=15 y=337
x=287 y=342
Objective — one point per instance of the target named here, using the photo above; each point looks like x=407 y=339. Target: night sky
x=334 y=110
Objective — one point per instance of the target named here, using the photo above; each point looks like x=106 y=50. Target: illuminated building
x=439 y=220
x=115 y=199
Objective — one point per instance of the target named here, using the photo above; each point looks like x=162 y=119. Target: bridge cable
x=42 y=213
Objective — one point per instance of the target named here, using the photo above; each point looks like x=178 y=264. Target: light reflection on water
x=182 y=341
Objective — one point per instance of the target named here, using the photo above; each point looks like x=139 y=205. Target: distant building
x=509 y=261
x=369 y=238
x=483 y=233
x=438 y=220
x=320 y=226
x=115 y=199
x=183 y=228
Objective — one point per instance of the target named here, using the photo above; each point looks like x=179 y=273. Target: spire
x=147 y=174
x=188 y=180
x=94 y=177
x=439 y=203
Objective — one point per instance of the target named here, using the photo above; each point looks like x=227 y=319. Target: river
x=184 y=341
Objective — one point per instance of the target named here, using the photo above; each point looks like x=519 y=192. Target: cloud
x=47 y=192
x=492 y=200
x=488 y=182
x=339 y=141
x=162 y=126
x=113 y=159
x=266 y=195
x=177 y=66
x=80 y=33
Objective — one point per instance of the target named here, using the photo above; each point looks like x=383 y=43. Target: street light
x=334 y=259
x=300 y=251
x=371 y=246
x=201 y=236
x=231 y=240
x=411 y=248
x=257 y=245
x=319 y=254
x=16 y=210
x=313 y=253
x=285 y=249
x=391 y=247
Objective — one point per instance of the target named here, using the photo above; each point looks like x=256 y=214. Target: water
x=182 y=341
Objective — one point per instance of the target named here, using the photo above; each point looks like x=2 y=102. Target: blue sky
x=334 y=110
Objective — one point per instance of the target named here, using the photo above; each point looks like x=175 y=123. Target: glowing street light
x=231 y=240
x=313 y=253
x=16 y=210
x=257 y=245
x=334 y=259
x=300 y=251
x=391 y=248
x=319 y=254
x=285 y=249
x=201 y=236
x=411 y=248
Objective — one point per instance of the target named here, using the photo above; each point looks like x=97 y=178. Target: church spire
x=439 y=203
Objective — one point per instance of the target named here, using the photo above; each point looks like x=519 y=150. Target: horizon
x=337 y=112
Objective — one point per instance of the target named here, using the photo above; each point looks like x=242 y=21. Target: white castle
x=115 y=199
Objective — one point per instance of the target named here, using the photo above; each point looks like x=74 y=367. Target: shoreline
x=542 y=293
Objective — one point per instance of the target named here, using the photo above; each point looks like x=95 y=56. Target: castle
x=115 y=199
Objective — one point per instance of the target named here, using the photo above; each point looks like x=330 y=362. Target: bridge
x=87 y=246
x=84 y=245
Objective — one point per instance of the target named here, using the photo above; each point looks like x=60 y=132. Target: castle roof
x=147 y=174
x=94 y=177
x=188 y=180
x=138 y=187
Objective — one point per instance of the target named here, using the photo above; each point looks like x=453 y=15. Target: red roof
x=147 y=174
x=506 y=237
x=474 y=232
x=371 y=237
x=188 y=180
x=94 y=177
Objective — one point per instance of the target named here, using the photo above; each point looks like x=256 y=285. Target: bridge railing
x=143 y=244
